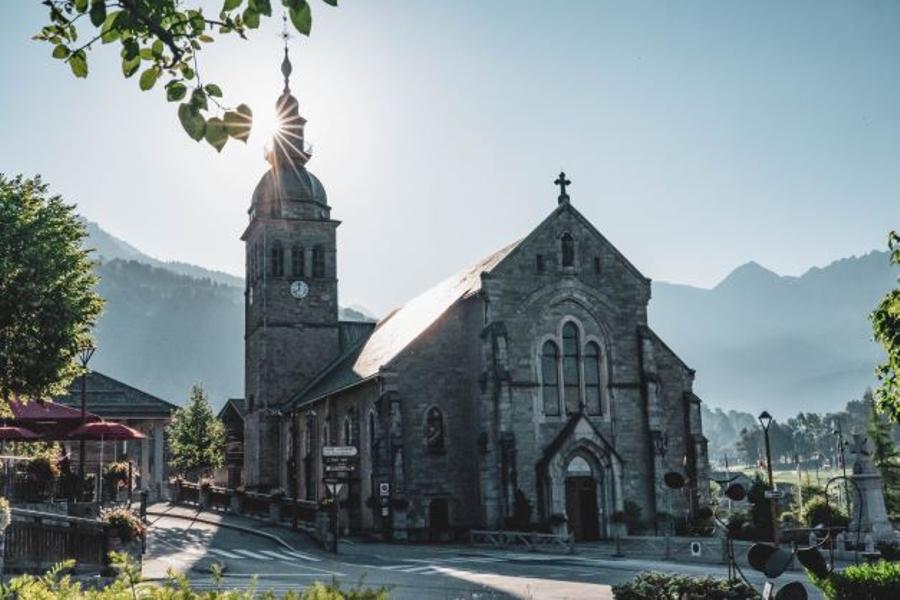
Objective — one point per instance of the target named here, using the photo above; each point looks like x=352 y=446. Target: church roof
x=112 y=399
x=399 y=329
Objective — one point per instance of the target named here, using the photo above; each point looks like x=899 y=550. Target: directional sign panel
x=776 y=494
x=339 y=451
x=335 y=488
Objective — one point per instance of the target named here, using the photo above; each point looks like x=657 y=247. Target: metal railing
x=527 y=540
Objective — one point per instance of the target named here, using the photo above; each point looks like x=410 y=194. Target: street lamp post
x=85 y=353
x=841 y=445
x=765 y=419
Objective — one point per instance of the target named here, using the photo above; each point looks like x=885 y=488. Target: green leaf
x=331 y=2
x=98 y=12
x=231 y=5
x=251 y=18
x=81 y=5
x=60 y=51
x=238 y=123
x=175 y=91
x=206 y=39
x=148 y=78
x=187 y=72
x=157 y=48
x=216 y=133
x=192 y=121
x=78 y=64
x=263 y=7
x=109 y=32
x=198 y=99
x=130 y=66
x=302 y=18
x=213 y=90
x=130 y=49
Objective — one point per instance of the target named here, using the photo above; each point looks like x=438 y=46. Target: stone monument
x=873 y=516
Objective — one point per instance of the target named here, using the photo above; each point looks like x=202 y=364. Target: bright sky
x=698 y=135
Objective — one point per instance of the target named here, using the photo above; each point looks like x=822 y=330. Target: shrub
x=868 y=581
x=816 y=512
x=124 y=521
x=667 y=586
x=42 y=469
x=57 y=584
x=630 y=517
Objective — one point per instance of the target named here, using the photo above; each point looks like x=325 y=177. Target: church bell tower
x=291 y=304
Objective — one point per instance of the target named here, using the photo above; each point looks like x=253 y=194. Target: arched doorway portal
x=582 y=507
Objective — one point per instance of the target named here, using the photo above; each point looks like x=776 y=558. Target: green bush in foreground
x=668 y=586
x=869 y=581
x=57 y=584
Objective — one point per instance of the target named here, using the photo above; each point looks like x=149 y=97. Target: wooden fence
x=36 y=541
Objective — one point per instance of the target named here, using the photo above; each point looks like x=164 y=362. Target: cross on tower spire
x=562 y=182
x=286 y=67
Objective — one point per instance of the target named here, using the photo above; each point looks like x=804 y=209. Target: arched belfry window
x=571 y=372
x=434 y=430
x=297 y=267
x=318 y=261
x=568 y=250
x=277 y=258
x=592 y=379
x=550 y=378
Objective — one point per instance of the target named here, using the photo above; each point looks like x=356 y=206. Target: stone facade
x=528 y=386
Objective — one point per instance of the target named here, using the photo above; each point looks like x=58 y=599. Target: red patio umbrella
x=46 y=418
x=17 y=434
x=104 y=430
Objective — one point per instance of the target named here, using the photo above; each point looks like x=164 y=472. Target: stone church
x=527 y=387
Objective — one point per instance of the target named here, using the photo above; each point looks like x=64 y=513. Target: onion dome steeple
x=288 y=145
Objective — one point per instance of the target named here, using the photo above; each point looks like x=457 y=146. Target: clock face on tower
x=299 y=289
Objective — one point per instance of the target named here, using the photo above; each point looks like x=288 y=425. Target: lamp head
x=85 y=352
x=765 y=419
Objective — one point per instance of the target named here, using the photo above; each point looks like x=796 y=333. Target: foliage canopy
x=47 y=300
x=162 y=39
x=886 y=328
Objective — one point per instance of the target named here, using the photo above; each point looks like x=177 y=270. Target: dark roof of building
x=235 y=404
x=398 y=330
x=113 y=399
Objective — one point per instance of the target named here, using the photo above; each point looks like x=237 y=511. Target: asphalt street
x=410 y=571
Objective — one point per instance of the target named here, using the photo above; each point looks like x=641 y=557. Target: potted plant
x=115 y=476
x=124 y=526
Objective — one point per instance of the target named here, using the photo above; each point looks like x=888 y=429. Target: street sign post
x=340 y=466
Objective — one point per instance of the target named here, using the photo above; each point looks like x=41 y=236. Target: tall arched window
x=372 y=433
x=318 y=261
x=310 y=434
x=277 y=257
x=568 y=250
x=571 y=374
x=350 y=428
x=592 y=379
x=297 y=266
x=550 y=378
x=434 y=430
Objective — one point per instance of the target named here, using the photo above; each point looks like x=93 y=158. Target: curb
x=199 y=519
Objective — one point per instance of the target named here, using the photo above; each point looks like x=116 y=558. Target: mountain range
x=757 y=339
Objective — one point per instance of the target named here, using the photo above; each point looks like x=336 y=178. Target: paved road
x=432 y=572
